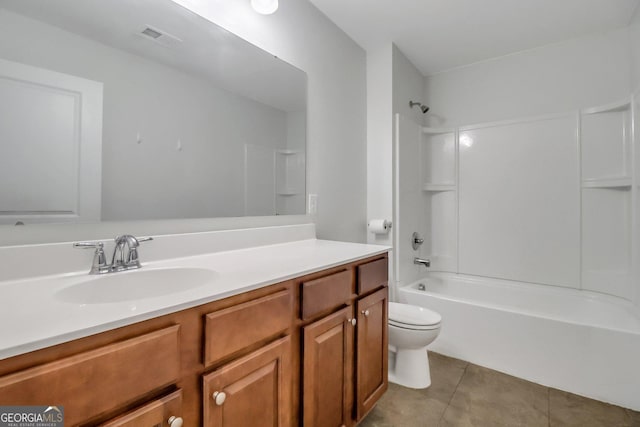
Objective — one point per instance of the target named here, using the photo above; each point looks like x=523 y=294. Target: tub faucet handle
x=420 y=261
x=416 y=241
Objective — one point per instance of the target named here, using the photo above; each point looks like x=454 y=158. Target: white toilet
x=411 y=329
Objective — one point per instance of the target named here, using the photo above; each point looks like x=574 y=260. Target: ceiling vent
x=150 y=32
x=159 y=36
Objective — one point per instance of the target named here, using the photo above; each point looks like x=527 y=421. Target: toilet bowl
x=411 y=330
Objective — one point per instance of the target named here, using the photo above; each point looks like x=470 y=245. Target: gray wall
x=634 y=34
x=336 y=67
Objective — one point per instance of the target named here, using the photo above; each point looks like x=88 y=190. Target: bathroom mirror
x=126 y=110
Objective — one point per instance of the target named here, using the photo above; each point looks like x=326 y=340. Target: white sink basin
x=135 y=285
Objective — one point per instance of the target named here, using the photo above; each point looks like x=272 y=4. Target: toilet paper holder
x=379 y=226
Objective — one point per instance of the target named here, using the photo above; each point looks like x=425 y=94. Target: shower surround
x=535 y=206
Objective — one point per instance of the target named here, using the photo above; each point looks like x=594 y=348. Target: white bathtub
x=581 y=342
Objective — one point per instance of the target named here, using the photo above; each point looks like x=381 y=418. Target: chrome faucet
x=420 y=261
x=121 y=260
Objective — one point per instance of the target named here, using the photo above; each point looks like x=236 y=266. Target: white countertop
x=33 y=317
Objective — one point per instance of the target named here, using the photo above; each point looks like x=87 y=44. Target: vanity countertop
x=33 y=316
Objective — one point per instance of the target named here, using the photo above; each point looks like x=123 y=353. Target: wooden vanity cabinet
x=327 y=368
x=96 y=382
x=164 y=411
x=372 y=350
x=306 y=352
x=344 y=353
x=254 y=390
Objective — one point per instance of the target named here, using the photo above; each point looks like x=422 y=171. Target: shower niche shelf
x=438 y=159
x=290 y=180
x=439 y=175
x=620 y=183
x=436 y=131
x=606 y=140
x=431 y=187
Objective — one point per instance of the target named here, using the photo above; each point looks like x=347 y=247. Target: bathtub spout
x=420 y=261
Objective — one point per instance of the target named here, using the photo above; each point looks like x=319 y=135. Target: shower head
x=423 y=108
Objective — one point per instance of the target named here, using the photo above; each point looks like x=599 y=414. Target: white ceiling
x=438 y=35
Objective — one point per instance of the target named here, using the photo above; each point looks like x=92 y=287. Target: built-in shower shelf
x=434 y=188
x=436 y=131
x=609 y=108
x=288 y=193
x=288 y=152
x=620 y=183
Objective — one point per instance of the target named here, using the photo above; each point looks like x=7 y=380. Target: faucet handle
x=99 y=264
x=131 y=261
x=132 y=241
x=88 y=245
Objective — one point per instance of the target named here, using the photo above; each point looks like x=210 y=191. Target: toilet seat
x=409 y=316
x=413 y=327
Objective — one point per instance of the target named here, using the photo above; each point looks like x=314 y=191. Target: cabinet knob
x=219 y=397
x=365 y=312
x=175 y=421
x=352 y=321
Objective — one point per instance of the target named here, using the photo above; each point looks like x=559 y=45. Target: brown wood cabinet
x=160 y=411
x=344 y=356
x=372 y=350
x=252 y=391
x=328 y=370
x=306 y=352
x=153 y=358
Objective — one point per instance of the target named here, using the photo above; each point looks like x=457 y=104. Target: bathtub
x=577 y=341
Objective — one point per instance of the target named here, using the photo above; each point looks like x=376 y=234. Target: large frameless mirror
x=140 y=109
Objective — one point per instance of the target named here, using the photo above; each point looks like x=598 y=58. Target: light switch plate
x=312 y=205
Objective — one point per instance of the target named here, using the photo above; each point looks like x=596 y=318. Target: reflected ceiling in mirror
x=139 y=109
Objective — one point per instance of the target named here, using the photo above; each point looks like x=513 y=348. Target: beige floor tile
x=489 y=398
x=466 y=395
x=404 y=407
x=446 y=373
x=634 y=418
x=566 y=409
x=401 y=407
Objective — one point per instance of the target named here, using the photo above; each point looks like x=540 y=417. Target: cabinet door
x=254 y=390
x=371 y=351
x=155 y=413
x=328 y=371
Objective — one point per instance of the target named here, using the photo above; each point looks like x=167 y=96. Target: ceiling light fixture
x=265 y=7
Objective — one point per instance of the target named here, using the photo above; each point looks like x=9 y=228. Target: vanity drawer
x=325 y=293
x=373 y=275
x=155 y=413
x=101 y=380
x=232 y=329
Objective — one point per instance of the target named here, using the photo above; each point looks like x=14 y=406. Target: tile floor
x=463 y=394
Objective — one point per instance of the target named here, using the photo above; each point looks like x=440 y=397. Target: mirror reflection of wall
x=182 y=118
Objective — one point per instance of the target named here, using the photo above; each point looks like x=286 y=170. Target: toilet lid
x=412 y=316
